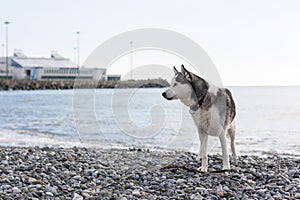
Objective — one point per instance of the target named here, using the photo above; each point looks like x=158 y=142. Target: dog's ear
x=188 y=75
x=184 y=71
x=175 y=70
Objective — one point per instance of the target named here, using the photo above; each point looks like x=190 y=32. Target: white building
x=56 y=67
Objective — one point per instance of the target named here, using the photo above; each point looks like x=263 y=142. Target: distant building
x=39 y=68
x=113 y=77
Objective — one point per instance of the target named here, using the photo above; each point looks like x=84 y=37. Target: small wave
x=13 y=138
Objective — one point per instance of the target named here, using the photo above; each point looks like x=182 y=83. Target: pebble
x=77 y=177
x=51 y=190
x=5 y=187
x=136 y=193
x=16 y=190
x=103 y=193
x=85 y=195
x=179 y=181
x=49 y=194
x=261 y=193
x=87 y=173
x=77 y=197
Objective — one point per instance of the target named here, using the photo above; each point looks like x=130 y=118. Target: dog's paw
x=202 y=169
x=226 y=167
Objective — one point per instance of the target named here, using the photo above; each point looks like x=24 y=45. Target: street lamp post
x=75 y=58
x=6 y=23
x=78 y=55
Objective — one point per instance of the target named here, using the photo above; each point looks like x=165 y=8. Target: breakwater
x=72 y=84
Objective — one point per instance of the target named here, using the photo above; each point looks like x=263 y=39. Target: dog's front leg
x=203 y=151
x=223 y=141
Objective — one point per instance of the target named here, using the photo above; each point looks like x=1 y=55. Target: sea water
x=267 y=120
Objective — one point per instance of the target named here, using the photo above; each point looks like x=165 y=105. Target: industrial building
x=54 y=68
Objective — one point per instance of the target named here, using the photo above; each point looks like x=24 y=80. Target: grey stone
x=77 y=177
x=136 y=193
x=77 y=197
x=16 y=190
x=5 y=187
x=50 y=194
x=103 y=193
x=297 y=195
x=85 y=194
x=51 y=190
x=179 y=181
x=261 y=193
x=31 y=180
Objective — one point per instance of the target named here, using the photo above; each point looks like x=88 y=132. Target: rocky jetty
x=71 y=84
x=84 y=173
x=149 y=83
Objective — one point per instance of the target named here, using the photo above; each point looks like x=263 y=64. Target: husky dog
x=212 y=109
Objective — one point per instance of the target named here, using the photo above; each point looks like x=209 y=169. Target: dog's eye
x=174 y=84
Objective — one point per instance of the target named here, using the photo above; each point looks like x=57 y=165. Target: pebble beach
x=134 y=173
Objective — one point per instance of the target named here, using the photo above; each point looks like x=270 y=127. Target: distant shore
x=72 y=84
x=134 y=173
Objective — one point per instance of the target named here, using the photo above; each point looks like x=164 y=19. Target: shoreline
x=8 y=139
x=73 y=84
x=135 y=173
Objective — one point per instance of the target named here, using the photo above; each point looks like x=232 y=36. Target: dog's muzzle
x=166 y=97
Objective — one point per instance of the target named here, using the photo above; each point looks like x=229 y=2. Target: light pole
x=75 y=59
x=6 y=23
x=131 y=72
x=78 y=55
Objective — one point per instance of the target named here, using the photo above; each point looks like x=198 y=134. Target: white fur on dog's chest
x=208 y=121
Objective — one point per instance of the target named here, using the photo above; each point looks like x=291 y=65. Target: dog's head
x=181 y=89
x=199 y=85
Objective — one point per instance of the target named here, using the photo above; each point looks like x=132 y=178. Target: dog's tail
x=230 y=105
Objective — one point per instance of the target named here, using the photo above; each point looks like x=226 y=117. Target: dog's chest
x=208 y=120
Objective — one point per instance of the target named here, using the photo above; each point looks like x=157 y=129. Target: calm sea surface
x=268 y=119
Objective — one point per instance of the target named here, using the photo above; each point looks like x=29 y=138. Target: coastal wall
x=70 y=84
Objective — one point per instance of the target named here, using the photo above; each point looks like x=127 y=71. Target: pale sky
x=251 y=42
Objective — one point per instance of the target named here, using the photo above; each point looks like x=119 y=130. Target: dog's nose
x=164 y=94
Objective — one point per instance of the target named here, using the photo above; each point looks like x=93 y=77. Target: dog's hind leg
x=223 y=140
x=203 y=152
x=231 y=133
